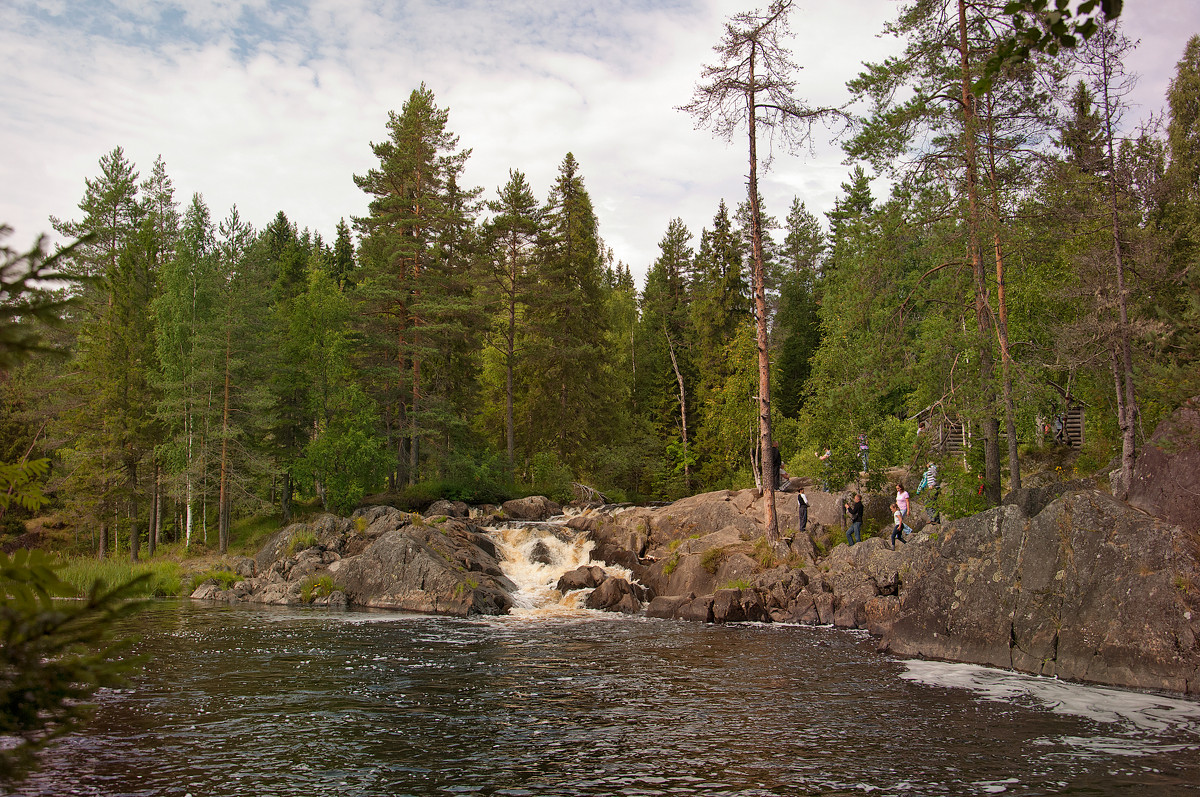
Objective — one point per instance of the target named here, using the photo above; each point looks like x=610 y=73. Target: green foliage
x=55 y=654
x=321 y=586
x=960 y=492
x=19 y=484
x=671 y=564
x=550 y=476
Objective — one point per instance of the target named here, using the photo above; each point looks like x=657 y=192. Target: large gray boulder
x=445 y=568
x=535 y=507
x=1089 y=590
x=379 y=557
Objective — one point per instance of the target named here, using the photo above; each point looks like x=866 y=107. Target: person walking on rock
x=898 y=530
x=854 y=533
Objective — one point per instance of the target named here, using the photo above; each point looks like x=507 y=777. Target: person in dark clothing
x=776 y=465
x=854 y=533
x=802 y=500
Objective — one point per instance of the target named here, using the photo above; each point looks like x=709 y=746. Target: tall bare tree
x=752 y=84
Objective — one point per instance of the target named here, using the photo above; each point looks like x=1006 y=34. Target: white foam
x=537 y=595
x=1138 y=711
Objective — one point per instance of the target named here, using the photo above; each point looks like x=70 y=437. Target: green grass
x=246 y=536
x=671 y=564
x=740 y=583
x=166 y=578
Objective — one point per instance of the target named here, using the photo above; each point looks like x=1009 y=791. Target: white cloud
x=274 y=107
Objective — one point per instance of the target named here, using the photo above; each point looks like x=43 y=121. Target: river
x=558 y=700
x=273 y=701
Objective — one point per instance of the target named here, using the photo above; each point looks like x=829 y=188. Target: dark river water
x=242 y=700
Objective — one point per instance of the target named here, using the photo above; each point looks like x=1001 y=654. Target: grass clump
x=711 y=559
x=321 y=586
x=739 y=583
x=671 y=564
x=223 y=579
x=301 y=541
x=764 y=555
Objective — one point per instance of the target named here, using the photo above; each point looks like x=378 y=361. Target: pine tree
x=753 y=85
x=412 y=280
x=568 y=329
x=187 y=339
x=797 y=327
x=513 y=234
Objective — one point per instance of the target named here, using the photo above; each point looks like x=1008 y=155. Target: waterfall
x=535 y=556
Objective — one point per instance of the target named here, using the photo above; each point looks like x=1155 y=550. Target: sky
x=273 y=104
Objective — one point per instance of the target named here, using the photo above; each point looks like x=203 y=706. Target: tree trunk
x=155 y=511
x=135 y=537
x=760 y=308
x=1126 y=397
x=101 y=549
x=1014 y=462
x=223 y=492
x=687 y=474
x=509 y=357
x=983 y=315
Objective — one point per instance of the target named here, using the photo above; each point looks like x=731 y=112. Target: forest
x=176 y=370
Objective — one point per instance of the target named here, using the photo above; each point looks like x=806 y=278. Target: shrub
x=56 y=654
x=671 y=564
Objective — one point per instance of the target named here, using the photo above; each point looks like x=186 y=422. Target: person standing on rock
x=776 y=465
x=854 y=533
x=929 y=482
x=802 y=501
x=902 y=500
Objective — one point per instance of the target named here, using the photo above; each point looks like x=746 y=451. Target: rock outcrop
x=379 y=557
x=1166 y=478
x=1088 y=589
x=535 y=507
x=1063 y=580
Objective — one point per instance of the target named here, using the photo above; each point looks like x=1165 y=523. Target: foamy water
x=537 y=594
x=1136 y=722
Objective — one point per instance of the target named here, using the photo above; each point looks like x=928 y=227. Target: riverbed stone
x=583 y=577
x=615 y=595
x=668 y=607
x=535 y=507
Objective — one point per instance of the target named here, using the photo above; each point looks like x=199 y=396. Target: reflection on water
x=241 y=700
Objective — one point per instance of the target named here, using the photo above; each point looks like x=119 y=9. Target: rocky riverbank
x=1062 y=580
